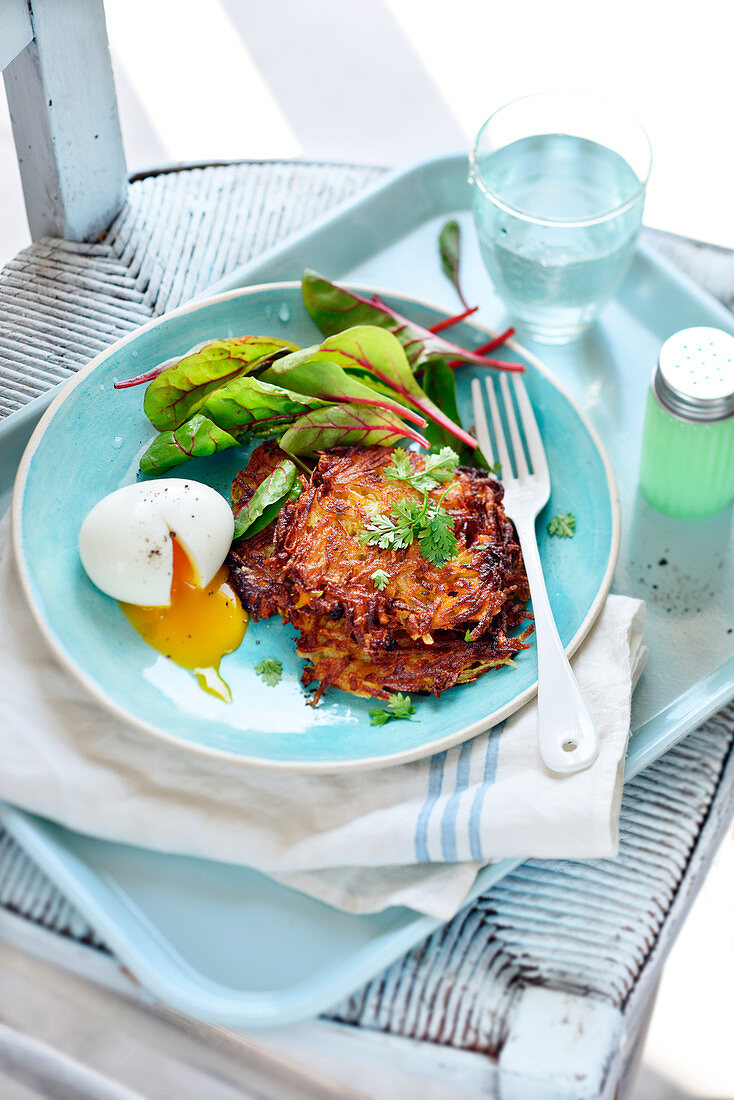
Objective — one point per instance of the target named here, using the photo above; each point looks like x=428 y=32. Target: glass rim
x=476 y=176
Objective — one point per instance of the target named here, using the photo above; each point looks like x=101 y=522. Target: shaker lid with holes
x=694 y=376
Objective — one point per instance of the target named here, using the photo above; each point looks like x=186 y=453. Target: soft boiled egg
x=159 y=548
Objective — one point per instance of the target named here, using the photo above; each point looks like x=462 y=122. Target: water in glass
x=557 y=218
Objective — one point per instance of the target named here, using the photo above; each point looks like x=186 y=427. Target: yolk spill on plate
x=200 y=626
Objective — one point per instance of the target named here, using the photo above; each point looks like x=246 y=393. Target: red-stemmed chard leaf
x=439 y=383
x=310 y=372
x=247 y=401
x=345 y=425
x=141 y=379
x=376 y=357
x=449 y=322
x=495 y=342
x=182 y=388
x=149 y=375
x=449 y=249
x=197 y=438
x=334 y=309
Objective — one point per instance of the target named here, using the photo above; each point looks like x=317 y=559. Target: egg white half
x=125 y=541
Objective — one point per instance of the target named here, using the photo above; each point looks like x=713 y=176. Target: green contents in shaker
x=687 y=463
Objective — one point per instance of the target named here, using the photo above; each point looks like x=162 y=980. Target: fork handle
x=567 y=739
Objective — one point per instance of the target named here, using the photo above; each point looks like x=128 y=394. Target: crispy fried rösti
x=431 y=626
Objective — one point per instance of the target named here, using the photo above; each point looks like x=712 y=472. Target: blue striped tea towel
x=415 y=834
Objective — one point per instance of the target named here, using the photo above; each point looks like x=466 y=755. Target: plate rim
x=373 y=763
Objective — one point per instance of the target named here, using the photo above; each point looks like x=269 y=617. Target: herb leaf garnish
x=399 y=706
x=436 y=536
x=437 y=469
x=380 y=579
x=385 y=532
x=428 y=522
x=270 y=670
x=563 y=525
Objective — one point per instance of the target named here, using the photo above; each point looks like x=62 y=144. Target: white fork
x=567 y=739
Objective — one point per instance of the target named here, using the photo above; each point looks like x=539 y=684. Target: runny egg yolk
x=200 y=626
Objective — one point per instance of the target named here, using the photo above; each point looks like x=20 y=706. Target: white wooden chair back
x=61 y=95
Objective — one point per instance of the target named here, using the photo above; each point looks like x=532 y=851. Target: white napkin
x=414 y=835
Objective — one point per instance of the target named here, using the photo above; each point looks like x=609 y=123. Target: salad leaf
x=199 y=437
x=182 y=388
x=340 y=425
x=449 y=247
x=310 y=372
x=247 y=401
x=269 y=497
x=334 y=309
x=376 y=358
x=439 y=384
x=271 y=512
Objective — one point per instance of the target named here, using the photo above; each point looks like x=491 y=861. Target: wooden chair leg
x=63 y=108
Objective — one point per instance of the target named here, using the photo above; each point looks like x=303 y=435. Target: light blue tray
x=226 y=944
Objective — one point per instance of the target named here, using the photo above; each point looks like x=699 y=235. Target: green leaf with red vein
x=199 y=437
x=449 y=249
x=182 y=388
x=344 y=425
x=377 y=359
x=246 y=401
x=439 y=383
x=313 y=372
x=334 y=309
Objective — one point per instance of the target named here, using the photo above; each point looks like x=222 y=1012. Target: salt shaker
x=687 y=464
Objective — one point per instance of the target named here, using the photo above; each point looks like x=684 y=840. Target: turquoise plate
x=89 y=443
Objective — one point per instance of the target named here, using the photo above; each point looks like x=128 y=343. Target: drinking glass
x=558 y=186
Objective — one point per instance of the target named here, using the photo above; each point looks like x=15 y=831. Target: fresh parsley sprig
x=399 y=706
x=393 y=532
x=437 y=469
x=428 y=522
x=563 y=525
x=270 y=670
x=380 y=579
x=436 y=536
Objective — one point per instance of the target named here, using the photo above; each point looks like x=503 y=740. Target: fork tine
x=480 y=421
x=499 y=433
x=520 y=461
x=536 y=450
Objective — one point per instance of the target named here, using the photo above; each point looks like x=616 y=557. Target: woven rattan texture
x=582 y=926
x=61 y=303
